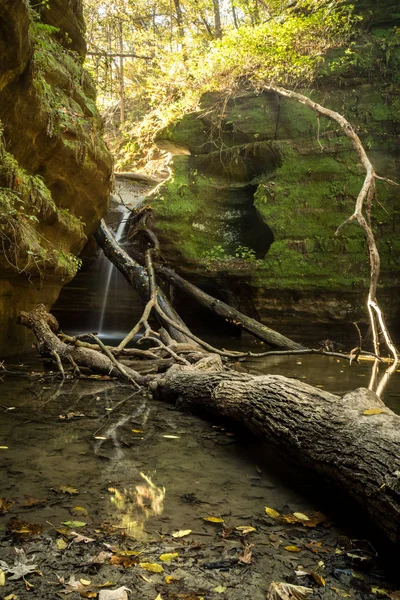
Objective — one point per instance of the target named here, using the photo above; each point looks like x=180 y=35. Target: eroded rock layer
x=55 y=169
x=258 y=191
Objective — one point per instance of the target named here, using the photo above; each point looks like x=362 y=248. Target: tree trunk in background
x=217 y=20
x=179 y=19
x=234 y=15
x=121 y=74
x=357 y=452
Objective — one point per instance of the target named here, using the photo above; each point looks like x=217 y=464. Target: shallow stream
x=134 y=471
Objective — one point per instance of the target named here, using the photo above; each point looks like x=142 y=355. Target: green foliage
x=245 y=253
x=285 y=46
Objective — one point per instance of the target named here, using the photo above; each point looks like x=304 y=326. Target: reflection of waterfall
x=111 y=269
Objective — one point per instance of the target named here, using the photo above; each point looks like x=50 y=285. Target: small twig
x=57 y=358
x=359 y=334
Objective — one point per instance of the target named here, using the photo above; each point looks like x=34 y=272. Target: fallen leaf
x=317 y=547
x=11 y=597
x=292 y=549
x=137 y=430
x=154 y=567
x=374 y=411
x=181 y=533
x=287 y=591
x=128 y=552
x=24 y=528
x=77 y=538
x=289 y=518
x=31 y=501
x=169 y=579
x=301 y=516
x=318 y=578
x=5 y=505
x=2 y=578
x=79 y=511
x=74 y=523
x=3 y=447
x=61 y=544
x=171 y=437
x=245 y=557
x=100 y=559
x=85 y=581
x=272 y=513
x=245 y=529
x=159 y=597
x=22 y=565
x=213 y=519
x=315 y=519
x=220 y=589
x=168 y=557
x=66 y=489
x=118 y=594
x=124 y=561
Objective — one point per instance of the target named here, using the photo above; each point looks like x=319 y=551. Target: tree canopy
x=155 y=58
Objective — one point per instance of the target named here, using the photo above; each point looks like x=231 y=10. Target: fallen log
x=357 y=451
x=260 y=331
x=45 y=326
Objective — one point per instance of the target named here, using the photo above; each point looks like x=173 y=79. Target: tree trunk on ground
x=49 y=345
x=260 y=331
x=358 y=453
x=136 y=275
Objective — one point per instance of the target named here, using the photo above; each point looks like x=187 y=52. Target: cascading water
x=99 y=298
x=111 y=269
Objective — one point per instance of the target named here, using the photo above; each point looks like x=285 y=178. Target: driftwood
x=357 y=452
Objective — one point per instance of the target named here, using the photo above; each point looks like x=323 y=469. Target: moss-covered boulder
x=300 y=177
x=55 y=169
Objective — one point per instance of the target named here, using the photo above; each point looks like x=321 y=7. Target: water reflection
x=133 y=507
x=334 y=375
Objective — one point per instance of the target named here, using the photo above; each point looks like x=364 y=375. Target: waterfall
x=111 y=269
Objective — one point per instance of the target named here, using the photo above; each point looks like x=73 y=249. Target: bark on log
x=260 y=331
x=358 y=453
x=137 y=276
x=49 y=345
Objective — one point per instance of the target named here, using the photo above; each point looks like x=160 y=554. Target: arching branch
x=364 y=201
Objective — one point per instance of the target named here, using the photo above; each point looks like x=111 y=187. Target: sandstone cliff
x=55 y=169
x=255 y=197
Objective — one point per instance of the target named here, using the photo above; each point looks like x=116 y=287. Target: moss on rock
x=303 y=186
x=55 y=170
